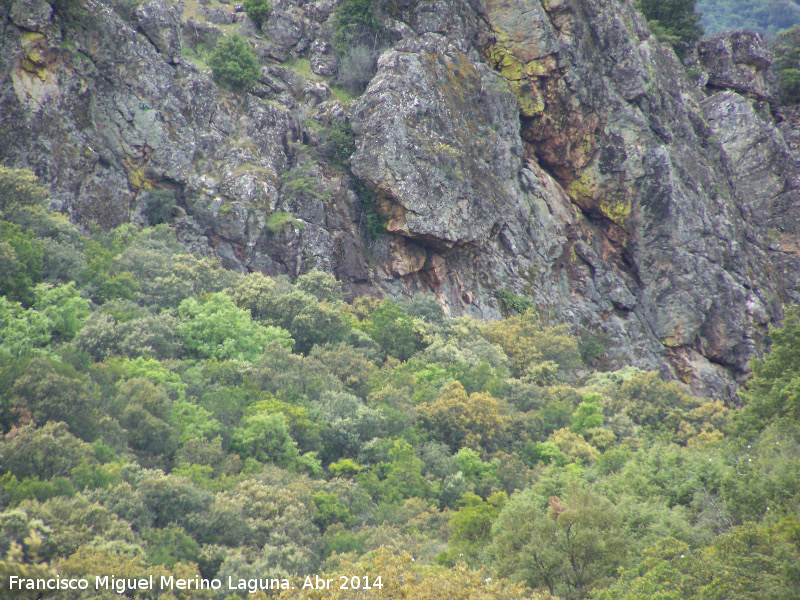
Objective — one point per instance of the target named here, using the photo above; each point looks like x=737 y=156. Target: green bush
x=19 y=187
x=372 y=221
x=393 y=330
x=159 y=206
x=358 y=38
x=218 y=328
x=234 y=62
x=356 y=23
x=338 y=143
x=773 y=392
x=789 y=82
x=786 y=50
x=257 y=10
x=512 y=302
x=21 y=256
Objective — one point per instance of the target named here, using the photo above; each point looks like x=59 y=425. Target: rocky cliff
x=550 y=151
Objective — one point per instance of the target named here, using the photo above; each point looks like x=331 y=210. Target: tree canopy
x=161 y=415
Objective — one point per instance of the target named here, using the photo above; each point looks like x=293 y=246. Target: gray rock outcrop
x=162 y=25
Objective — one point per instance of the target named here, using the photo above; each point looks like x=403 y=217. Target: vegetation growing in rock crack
x=358 y=39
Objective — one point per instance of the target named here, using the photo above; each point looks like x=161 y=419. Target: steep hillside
x=504 y=153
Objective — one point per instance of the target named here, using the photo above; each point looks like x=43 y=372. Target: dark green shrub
x=512 y=302
x=257 y=10
x=338 y=143
x=373 y=223
x=158 y=208
x=358 y=38
x=394 y=330
x=234 y=62
x=356 y=22
x=789 y=82
x=20 y=262
x=786 y=50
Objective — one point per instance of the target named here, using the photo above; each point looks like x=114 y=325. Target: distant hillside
x=764 y=16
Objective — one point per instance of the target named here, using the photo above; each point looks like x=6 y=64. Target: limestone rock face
x=553 y=149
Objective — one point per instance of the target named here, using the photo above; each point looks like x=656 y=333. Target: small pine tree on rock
x=234 y=62
x=257 y=10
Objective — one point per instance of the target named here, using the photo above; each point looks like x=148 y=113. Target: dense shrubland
x=163 y=415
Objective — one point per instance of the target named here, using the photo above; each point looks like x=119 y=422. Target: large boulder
x=438 y=141
x=737 y=60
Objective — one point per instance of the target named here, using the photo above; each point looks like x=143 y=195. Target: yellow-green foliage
x=19 y=187
x=402 y=578
x=464 y=420
x=526 y=343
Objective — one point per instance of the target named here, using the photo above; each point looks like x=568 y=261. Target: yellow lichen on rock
x=581 y=190
x=136 y=176
x=33 y=61
x=616 y=210
x=521 y=76
x=541 y=67
x=529 y=99
x=506 y=63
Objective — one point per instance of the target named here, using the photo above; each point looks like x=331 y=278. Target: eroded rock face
x=649 y=191
x=161 y=24
x=553 y=149
x=736 y=60
x=438 y=141
x=33 y=15
x=105 y=114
